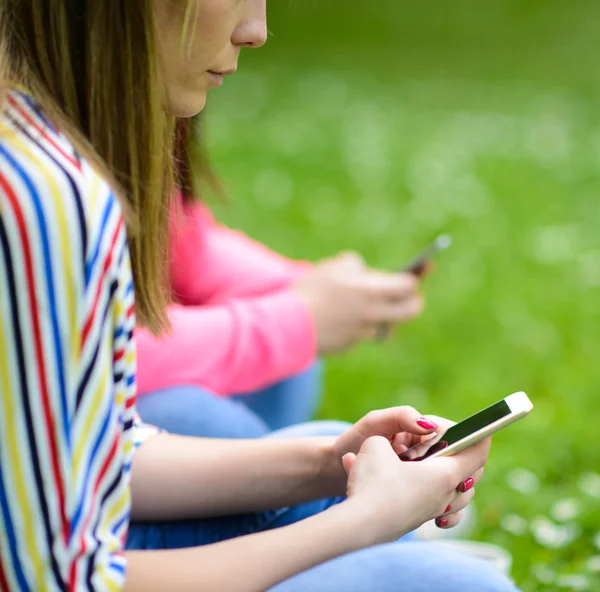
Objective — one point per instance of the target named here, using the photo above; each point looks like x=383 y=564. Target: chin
x=188 y=106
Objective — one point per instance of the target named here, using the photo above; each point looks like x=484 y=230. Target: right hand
x=350 y=302
x=396 y=497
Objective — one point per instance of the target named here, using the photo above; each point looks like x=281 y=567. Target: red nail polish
x=426 y=424
x=441 y=522
x=466 y=485
x=447 y=509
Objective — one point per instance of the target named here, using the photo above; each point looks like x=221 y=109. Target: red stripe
x=73 y=577
x=42 y=372
x=3 y=583
x=107 y=262
x=83 y=547
x=42 y=131
x=131 y=311
x=131 y=402
x=118 y=355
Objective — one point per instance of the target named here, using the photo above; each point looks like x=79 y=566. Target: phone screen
x=458 y=432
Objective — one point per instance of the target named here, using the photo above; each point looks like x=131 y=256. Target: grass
x=374 y=127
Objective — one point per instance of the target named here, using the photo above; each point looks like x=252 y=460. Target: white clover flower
x=514 y=524
x=566 y=510
x=593 y=564
x=523 y=481
x=553 y=536
x=543 y=573
x=574 y=582
x=589 y=483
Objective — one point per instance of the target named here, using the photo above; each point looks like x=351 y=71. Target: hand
x=350 y=302
x=402 y=428
x=395 y=497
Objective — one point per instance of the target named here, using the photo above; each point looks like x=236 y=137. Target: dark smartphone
x=419 y=264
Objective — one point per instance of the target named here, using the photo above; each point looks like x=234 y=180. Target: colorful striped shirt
x=68 y=427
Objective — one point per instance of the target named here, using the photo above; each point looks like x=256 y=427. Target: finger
x=382 y=332
x=470 y=482
x=401 y=311
x=348 y=461
x=443 y=422
x=449 y=521
x=390 y=286
x=378 y=445
x=349 y=260
x=470 y=460
x=403 y=441
x=380 y=321
x=389 y=422
x=459 y=503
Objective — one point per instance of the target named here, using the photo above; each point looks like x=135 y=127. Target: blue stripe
x=93 y=557
x=33 y=448
x=91 y=461
x=36 y=109
x=90 y=263
x=117 y=567
x=58 y=347
x=12 y=539
x=74 y=188
x=83 y=384
x=121 y=523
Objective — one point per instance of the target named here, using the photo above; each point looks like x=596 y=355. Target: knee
x=193 y=411
x=431 y=566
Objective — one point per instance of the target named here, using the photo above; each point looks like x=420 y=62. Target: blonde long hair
x=93 y=66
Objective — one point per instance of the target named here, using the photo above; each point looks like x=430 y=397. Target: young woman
x=86 y=141
x=249 y=323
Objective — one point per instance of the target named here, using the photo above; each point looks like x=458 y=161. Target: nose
x=252 y=30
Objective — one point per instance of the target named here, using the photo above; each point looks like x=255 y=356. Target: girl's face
x=197 y=56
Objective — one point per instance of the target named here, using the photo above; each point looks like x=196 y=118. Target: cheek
x=212 y=33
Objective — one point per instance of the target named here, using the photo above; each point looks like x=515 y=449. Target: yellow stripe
x=92 y=417
x=117 y=509
x=130 y=358
x=11 y=420
x=66 y=251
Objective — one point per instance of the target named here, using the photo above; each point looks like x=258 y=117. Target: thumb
x=350 y=260
x=348 y=461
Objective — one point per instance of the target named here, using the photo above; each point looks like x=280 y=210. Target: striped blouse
x=68 y=426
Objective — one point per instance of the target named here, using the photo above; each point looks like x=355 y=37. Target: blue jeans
x=406 y=566
x=290 y=402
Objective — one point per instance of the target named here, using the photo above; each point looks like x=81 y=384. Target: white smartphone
x=473 y=429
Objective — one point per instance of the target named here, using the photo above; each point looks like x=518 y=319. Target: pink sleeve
x=237 y=347
x=211 y=263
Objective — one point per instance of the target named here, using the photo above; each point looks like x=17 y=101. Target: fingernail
x=447 y=509
x=466 y=485
x=441 y=522
x=427 y=424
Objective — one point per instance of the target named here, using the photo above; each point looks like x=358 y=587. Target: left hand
x=403 y=427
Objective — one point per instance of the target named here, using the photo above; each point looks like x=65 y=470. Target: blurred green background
x=374 y=126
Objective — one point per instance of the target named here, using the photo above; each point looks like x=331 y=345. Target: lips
x=223 y=72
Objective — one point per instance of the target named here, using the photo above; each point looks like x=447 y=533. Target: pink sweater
x=239 y=326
